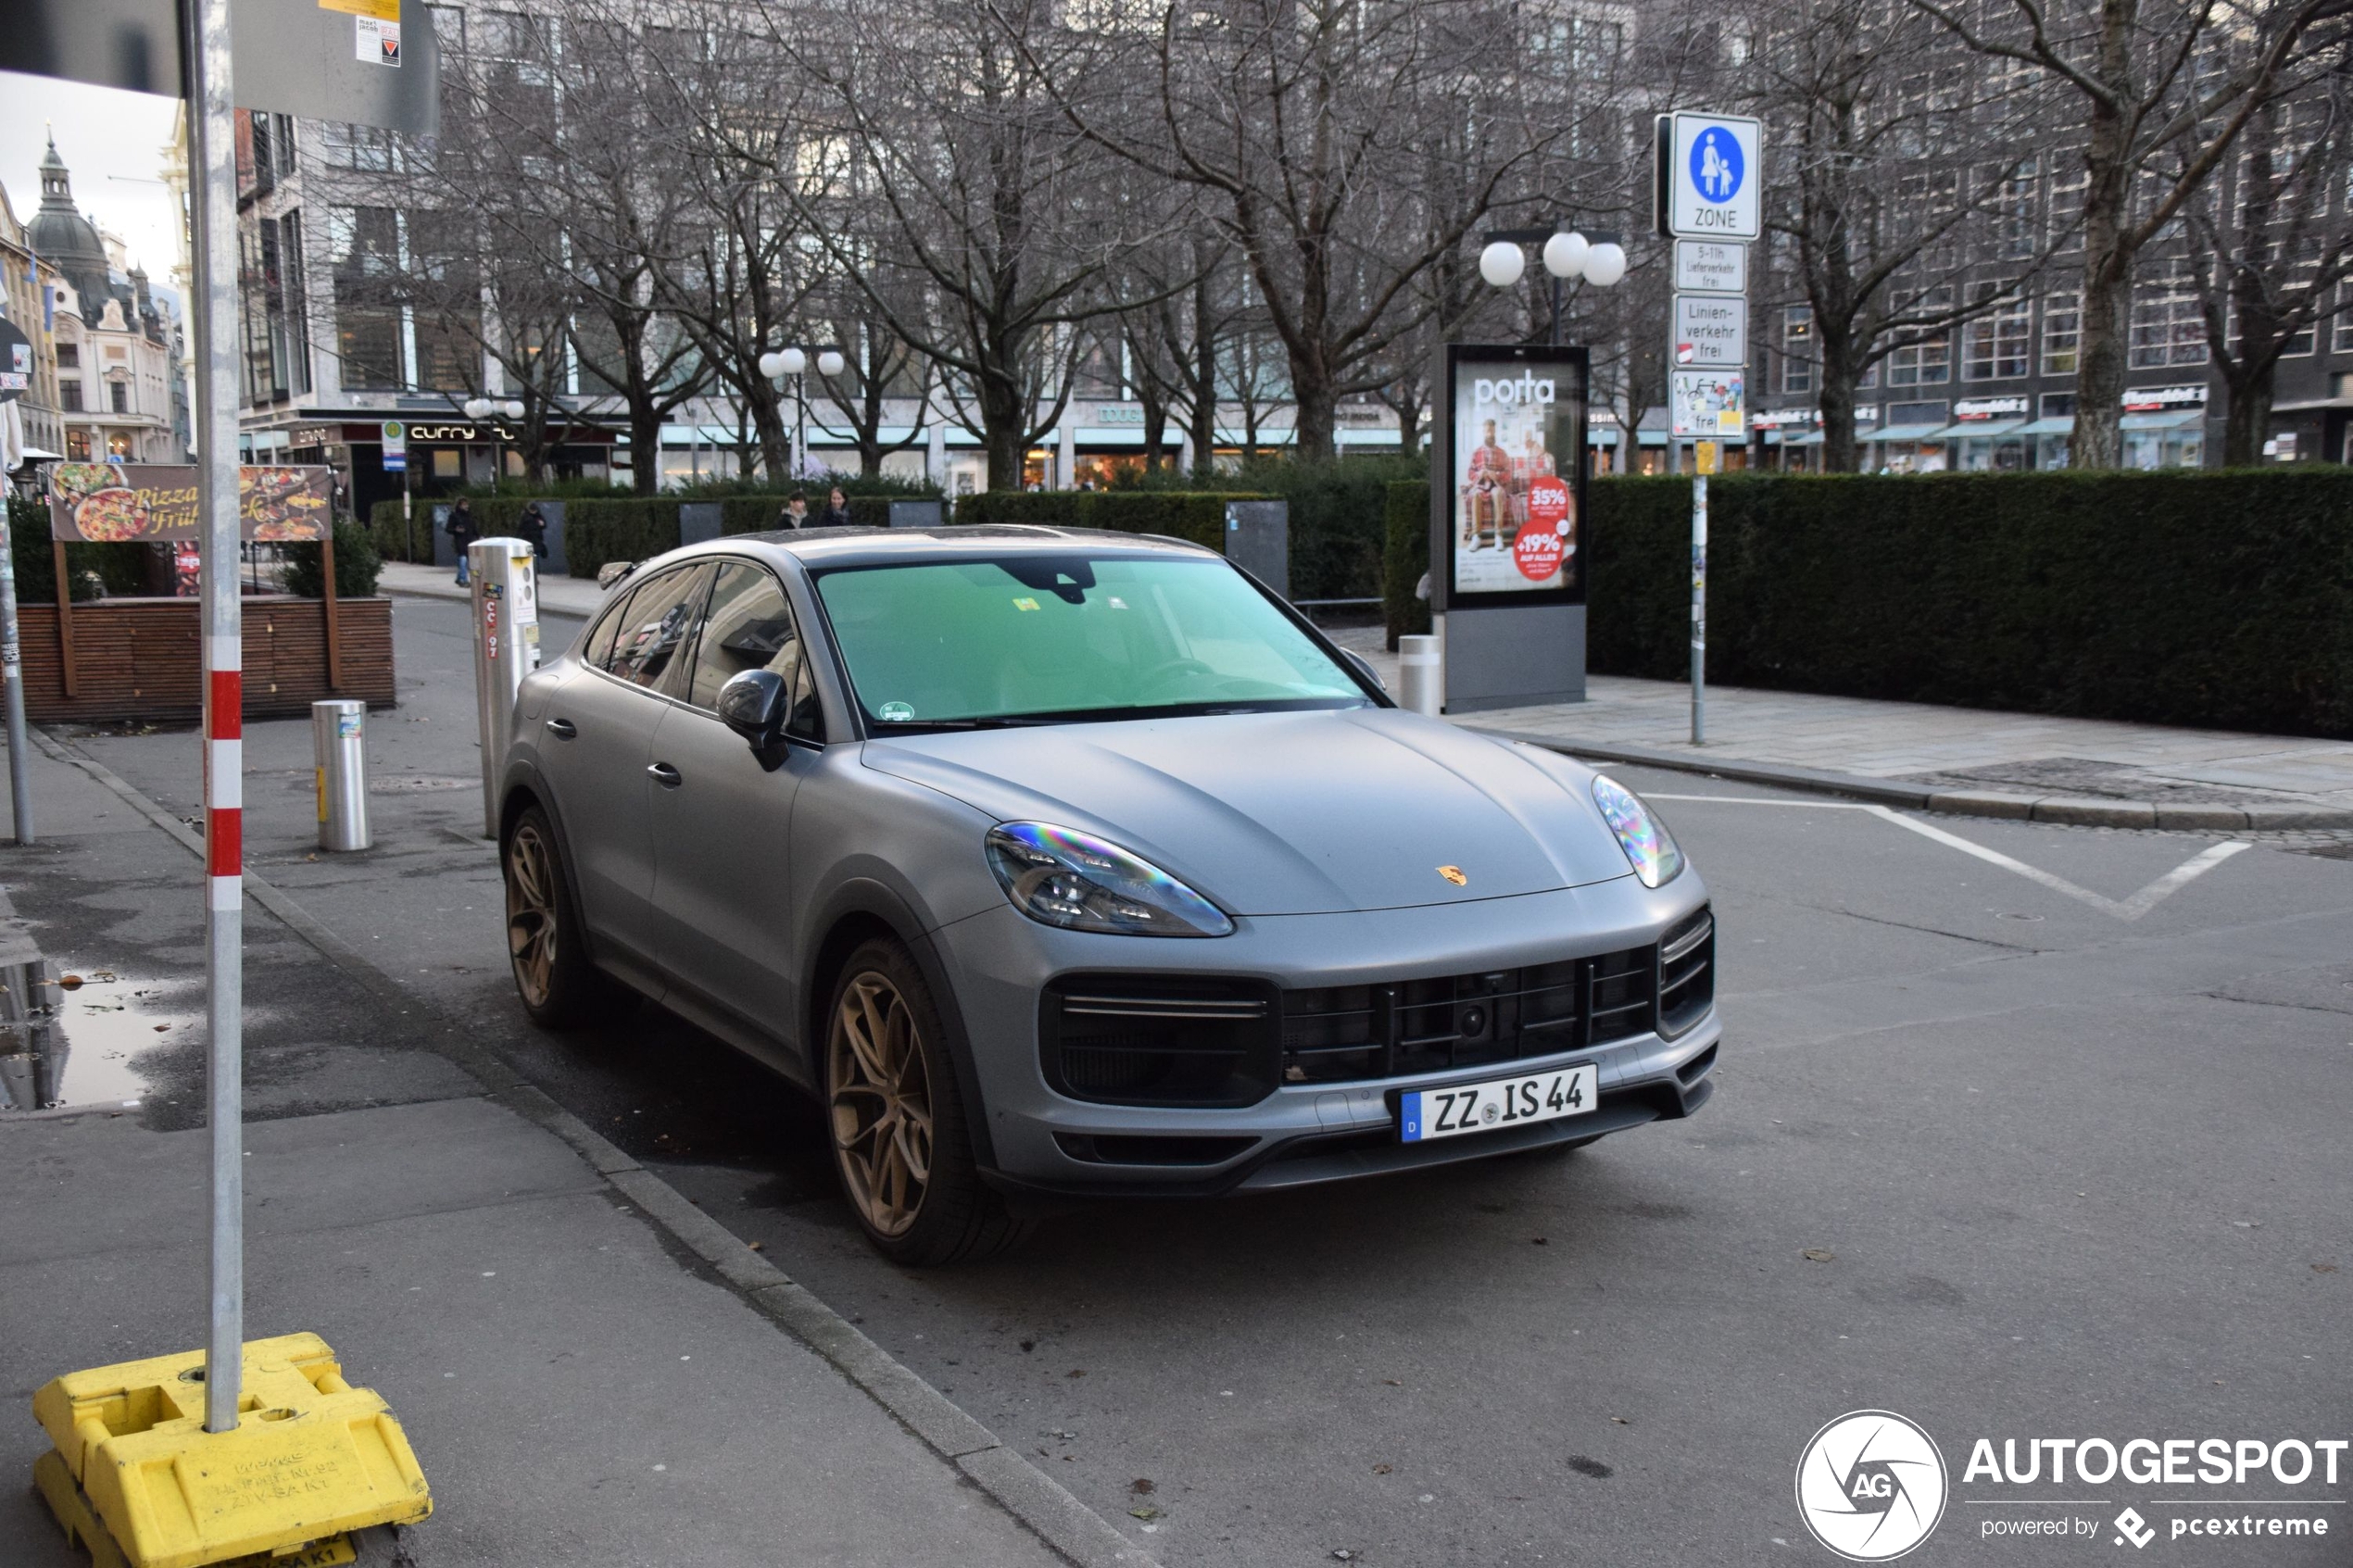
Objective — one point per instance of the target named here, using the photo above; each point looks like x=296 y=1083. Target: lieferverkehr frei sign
x=1710 y=176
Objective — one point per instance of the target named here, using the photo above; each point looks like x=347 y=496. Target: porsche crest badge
x=1454 y=874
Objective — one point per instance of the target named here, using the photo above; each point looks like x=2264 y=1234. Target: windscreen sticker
x=896 y=713
x=1025 y=604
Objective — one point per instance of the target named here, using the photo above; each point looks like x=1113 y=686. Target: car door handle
x=665 y=775
x=562 y=729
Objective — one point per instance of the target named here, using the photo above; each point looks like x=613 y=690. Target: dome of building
x=63 y=237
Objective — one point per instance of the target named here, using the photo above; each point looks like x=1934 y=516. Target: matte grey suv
x=1061 y=863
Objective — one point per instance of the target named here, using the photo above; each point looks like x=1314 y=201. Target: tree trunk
x=645 y=444
x=1156 y=403
x=2247 y=421
x=1315 y=418
x=1837 y=401
x=2098 y=440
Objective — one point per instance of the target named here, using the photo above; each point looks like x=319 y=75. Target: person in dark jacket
x=836 y=511
x=796 y=513
x=462 y=530
x=532 y=527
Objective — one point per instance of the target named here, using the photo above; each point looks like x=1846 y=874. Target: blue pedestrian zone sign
x=1716 y=164
x=1710 y=176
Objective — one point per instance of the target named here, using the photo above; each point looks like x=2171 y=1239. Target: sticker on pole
x=1544 y=541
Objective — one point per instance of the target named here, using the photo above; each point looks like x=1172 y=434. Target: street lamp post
x=482 y=410
x=1599 y=260
x=794 y=362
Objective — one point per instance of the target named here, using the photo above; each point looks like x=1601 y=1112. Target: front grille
x=1159 y=1040
x=1352 y=1032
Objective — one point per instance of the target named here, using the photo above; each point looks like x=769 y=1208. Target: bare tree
x=2272 y=245
x=2164 y=91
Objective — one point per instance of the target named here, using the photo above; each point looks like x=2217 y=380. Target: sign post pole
x=1703 y=459
x=12 y=666
x=212 y=164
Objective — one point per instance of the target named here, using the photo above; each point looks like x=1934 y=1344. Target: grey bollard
x=339 y=746
x=1421 y=676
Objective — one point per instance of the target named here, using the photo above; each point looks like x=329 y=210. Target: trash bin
x=1421 y=677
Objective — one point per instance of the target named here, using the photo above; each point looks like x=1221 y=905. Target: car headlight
x=1645 y=839
x=1075 y=880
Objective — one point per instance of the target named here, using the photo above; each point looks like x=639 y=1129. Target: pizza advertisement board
x=1514 y=500
x=116 y=503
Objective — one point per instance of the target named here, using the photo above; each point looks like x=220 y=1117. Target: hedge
x=2220 y=598
x=1195 y=515
x=357 y=566
x=607 y=528
x=116 y=569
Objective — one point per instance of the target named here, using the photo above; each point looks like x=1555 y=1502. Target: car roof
x=822 y=547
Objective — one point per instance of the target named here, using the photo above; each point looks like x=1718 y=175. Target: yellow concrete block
x=311 y=1458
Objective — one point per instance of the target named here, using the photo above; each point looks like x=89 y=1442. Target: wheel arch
x=860 y=911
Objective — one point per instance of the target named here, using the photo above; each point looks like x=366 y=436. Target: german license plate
x=1423 y=1115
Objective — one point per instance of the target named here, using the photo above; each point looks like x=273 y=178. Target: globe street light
x=1567 y=254
x=778 y=363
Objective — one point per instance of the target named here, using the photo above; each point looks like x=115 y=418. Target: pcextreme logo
x=1870 y=1485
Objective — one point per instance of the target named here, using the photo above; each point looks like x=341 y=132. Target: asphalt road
x=2004 y=1150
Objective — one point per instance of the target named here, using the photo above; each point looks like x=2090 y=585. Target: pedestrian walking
x=462 y=530
x=533 y=528
x=796 y=513
x=836 y=511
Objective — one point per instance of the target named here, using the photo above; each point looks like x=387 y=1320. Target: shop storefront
x=2164 y=427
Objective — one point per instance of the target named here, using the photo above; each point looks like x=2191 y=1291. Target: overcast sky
x=112 y=143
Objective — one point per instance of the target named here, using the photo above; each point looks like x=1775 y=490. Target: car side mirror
x=1364 y=668
x=754 y=705
x=613 y=571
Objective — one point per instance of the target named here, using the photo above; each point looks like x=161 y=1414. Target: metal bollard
x=339 y=746
x=1421 y=678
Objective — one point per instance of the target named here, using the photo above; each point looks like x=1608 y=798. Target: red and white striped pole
x=212 y=165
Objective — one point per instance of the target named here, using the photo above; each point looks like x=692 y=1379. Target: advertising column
x=1507 y=509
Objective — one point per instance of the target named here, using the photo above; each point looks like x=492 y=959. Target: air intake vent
x=1686 y=973
x=1159 y=1040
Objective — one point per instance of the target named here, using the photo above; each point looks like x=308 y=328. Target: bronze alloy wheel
x=531 y=919
x=880 y=1096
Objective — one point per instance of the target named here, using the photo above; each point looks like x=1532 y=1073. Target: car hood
x=1290 y=813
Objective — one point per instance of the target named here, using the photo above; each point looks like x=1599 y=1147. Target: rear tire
x=560 y=988
x=898 y=1122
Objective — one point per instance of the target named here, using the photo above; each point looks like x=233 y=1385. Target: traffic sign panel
x=1711 y=267
x=1711 y=329
x=1710 y=174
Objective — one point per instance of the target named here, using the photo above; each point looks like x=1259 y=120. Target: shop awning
x=1985 y=427
x=2307 y=406
x=2175 y=419
x=1811 y=438
x=1650 y=438
x=1910 y=433
x=1594 y=437
x=2046 y=427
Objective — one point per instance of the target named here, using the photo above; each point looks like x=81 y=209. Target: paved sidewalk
x=566 y=596
x=590 y=1370
x=1971 y=759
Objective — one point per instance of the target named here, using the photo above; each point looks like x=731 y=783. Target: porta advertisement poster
x=1517 y=460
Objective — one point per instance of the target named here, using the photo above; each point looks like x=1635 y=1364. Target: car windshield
x=1056 y=638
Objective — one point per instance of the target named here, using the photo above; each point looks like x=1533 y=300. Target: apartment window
x=119 y=396
x=78 y=444
x=363 y=147
x=1797 y=349
x=2062 y=333
x=1999 y=344
x=265 y=166
x=364 y=252
x=2056 y=406
x=285 y=140
x=2013 y=212
x=1923 y=357
x=2168 y=322
x=69 y=395
x=297 y=302
x=2341 y=341
x=2069 y=183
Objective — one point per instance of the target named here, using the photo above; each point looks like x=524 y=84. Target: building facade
x=27 y=300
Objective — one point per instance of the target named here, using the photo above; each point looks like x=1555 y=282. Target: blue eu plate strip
x=1409 y=1110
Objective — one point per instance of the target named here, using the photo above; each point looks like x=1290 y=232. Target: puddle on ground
x=74 y=1036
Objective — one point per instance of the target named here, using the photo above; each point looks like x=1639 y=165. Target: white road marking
x=2127 y=909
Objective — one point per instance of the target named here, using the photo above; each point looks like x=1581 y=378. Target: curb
x=1041 y=1504
x=2079 y=810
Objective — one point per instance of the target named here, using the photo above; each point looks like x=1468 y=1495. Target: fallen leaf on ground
x=1076 y=1371
x=1140 y=1486
x=1147 y=1511
x=1382 y=1469
x=1818 y=1255
x=2324 y=1268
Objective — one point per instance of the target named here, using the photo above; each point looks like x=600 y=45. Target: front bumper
x=1045 y=1143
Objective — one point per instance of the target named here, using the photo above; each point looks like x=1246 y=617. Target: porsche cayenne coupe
x=1060 y=864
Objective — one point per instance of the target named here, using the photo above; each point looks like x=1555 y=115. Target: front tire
x=560 y=986
x=898 y=1120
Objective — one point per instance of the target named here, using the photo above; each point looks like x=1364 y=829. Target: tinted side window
x=751 y=627
x=655 y=623
x=597 y=648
